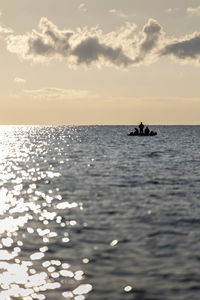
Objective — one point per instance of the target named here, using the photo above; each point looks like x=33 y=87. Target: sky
x=113 y=62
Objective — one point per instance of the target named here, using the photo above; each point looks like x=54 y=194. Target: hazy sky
x=99 y=62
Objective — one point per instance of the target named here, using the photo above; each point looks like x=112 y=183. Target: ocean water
x=88 y=212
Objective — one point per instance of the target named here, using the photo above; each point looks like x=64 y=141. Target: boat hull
x=139 y=134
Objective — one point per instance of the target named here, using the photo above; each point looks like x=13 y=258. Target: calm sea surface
x=88 y=212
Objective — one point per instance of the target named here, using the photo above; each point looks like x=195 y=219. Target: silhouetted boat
x=152 y=133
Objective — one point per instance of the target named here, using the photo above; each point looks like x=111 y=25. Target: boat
x=152 y=133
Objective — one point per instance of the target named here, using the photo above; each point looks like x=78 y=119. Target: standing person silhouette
x=141 y=127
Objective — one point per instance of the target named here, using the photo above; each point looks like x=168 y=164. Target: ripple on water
x=88 y=213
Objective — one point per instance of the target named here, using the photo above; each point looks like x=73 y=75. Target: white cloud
x=118 y=13
x=82 y=7
x=57 y=93
x=172 y=10
x=193 y=11
x=19 y=80
x=4 y=30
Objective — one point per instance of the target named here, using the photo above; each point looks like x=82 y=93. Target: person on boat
x=146 y=131
x=141 y=127
x=153 y=133
x=136 y=132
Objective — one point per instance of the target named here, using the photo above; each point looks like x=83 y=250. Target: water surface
x=87 y=212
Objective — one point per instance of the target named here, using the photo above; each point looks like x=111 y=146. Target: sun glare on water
x=30 y=218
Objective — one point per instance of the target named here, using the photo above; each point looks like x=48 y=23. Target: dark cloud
x=50 y=42
x=37 y=46
x=188 y=48
x=91 y=50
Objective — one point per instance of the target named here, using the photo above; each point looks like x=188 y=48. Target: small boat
x=152 y=133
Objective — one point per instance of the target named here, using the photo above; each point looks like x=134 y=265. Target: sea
x=88 y=212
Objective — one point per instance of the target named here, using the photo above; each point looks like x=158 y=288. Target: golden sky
x=99 y=62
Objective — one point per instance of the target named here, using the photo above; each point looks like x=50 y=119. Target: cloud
x=136 y=50
x=4 y=30
x=59 y=94
x=122 y=48
x=82 y=46
x=19 y=80
x=49 y=43
x=186 y=49
x=193 y=11
x=172 y=10
x=82 y=7
x=91 y=50
x=118 y=13
x=152 y=34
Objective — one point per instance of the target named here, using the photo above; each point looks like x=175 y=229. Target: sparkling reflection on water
x=87 y=212
x=31 y=224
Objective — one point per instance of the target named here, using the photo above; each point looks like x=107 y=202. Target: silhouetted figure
x=141 y=127
x=146 y=131
x=153 y=133
x=136 y=132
